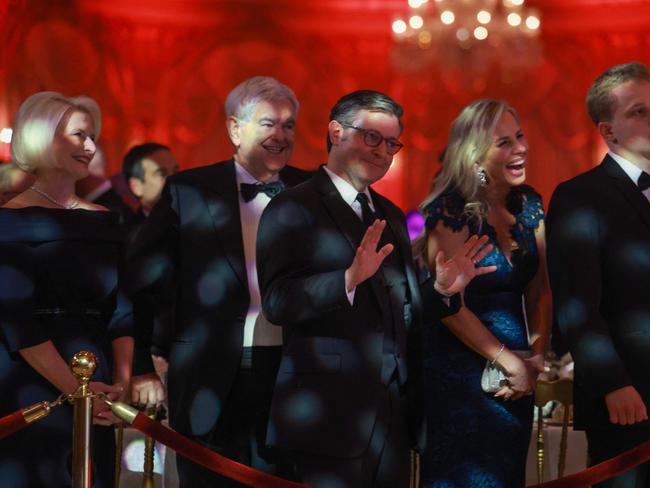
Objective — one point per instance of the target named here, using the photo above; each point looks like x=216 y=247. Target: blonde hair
x=36 y=123
x=601 y=102
x=470 y=137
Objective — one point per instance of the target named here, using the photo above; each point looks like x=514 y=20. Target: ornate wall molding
x=161 y=69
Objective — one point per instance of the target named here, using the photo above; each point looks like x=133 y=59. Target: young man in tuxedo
x=598 y=232
x=198 y=244
x=336 y=271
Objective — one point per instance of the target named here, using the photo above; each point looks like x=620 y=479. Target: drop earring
x=481 y=175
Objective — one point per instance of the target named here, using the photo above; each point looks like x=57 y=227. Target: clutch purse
x=494 y=378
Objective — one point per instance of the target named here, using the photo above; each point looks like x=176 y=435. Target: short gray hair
x=241 y=101
x=36 y=123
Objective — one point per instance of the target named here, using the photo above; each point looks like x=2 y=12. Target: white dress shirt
x=349 y=195
x=257 y=330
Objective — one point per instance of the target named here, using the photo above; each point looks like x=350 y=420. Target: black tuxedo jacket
x=326 y=395
x=598 y=232
x=190 y=247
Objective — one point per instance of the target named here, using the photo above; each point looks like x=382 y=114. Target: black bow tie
x=644 y=181
x=250 y=190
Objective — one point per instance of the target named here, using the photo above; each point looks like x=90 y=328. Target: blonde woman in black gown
x=59 y=294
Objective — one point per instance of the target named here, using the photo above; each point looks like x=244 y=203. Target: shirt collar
x=346 y=190
x=632 y=170
x=243 y=176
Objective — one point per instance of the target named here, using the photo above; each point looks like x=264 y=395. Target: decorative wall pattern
x=161 y=70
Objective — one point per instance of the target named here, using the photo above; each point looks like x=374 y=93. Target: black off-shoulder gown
x=58 y=282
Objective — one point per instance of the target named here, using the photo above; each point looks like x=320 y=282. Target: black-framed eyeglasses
x=373 y=138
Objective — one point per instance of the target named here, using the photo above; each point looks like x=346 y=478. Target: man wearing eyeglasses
x=335 y=269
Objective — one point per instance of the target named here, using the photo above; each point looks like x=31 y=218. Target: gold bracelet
x=496 y=356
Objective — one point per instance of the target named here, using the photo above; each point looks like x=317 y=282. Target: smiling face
x=263 y=145
x=505 y=160
x=354 y=160
x=74 y=145
x=628 y=133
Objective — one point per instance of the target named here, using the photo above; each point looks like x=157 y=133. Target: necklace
x=71 y=206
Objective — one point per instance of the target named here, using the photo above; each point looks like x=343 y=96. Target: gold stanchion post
x=82 y=365
x=149 y=443
x=119 y=447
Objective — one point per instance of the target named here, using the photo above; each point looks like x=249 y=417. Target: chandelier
x=467 y=34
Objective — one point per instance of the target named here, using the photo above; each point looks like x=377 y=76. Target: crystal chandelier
x=467 y=34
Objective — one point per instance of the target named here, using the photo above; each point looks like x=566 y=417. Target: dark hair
x=601 y=103
x=132 y=162
x=352 y=103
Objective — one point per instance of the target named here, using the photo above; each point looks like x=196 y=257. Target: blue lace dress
x=474 y=439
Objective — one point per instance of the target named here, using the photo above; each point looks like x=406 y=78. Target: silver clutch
x=494 y=378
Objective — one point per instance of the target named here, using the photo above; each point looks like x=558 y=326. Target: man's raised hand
x=367 y=258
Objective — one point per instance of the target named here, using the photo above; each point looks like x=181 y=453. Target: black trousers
x=240 y=433
x=612 y=440
x=385 y=464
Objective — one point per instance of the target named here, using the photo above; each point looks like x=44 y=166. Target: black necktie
x=250 y=190
x=367 y=215
x=644 y=181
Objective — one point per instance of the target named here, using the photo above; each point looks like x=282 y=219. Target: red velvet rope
x=11 y=423
x=602 y=471
x=210 y=459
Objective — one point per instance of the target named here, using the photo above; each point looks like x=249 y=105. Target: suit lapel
x=350 y=226
x=222 y=199
x=628 y=189
x=291 y=176
x=403 y=245
x=339 y=211
x=392 y=220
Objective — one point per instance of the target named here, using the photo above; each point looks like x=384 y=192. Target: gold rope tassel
x=36 y=412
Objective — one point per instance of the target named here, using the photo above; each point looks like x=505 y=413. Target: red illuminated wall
x=161 y=69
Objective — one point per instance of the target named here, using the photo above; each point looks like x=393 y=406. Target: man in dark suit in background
x=598 y=231
x=199 y=242
x=145 y=168
x=347 y=407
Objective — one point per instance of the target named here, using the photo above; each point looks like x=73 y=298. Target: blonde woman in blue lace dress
x=475 y=438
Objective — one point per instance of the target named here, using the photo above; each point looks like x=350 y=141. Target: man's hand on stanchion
x=147 y=390
x=102 y=414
